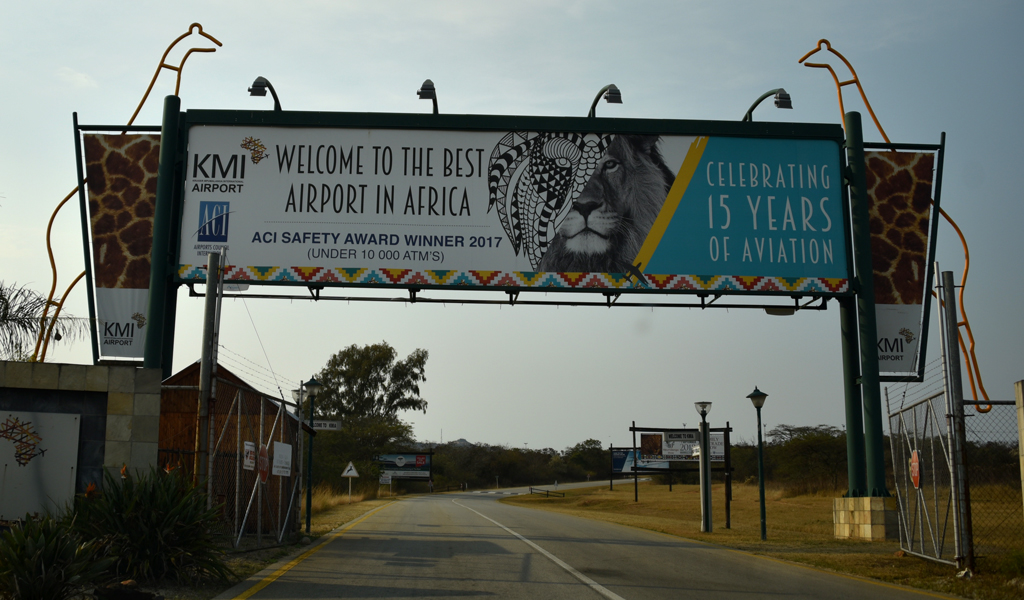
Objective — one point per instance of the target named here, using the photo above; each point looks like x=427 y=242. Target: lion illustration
x=607 y=224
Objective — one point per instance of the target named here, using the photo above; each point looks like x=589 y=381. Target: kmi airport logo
x=118 y=334
x=225 y=174
x=213 y=221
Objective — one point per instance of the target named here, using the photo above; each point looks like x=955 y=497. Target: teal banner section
x=759 y=208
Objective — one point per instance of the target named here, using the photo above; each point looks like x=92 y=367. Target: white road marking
x=590 y=582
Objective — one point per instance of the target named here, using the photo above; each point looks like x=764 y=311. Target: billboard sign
x=511 y=209
x=622 y=462
x=900 y=188
x=682 y=444
x=405 y=466
x=121 y=172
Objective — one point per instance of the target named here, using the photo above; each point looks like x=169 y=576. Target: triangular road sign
x=350 y=471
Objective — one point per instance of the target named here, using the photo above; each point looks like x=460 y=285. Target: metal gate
x=256 y=513
x=922 y=461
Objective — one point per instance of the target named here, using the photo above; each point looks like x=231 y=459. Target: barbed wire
x=253 y=364
x=258 y=379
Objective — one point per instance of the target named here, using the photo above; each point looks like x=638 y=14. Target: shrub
x=43 y=559
x=157 y=525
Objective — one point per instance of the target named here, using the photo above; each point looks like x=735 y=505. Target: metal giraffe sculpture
x=46 y=326
x=533 y=179
x=972 y=361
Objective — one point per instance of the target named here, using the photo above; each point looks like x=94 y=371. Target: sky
x=538 y=377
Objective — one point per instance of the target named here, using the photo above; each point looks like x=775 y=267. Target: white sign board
x=385 y=480
x=350 y=471
x=282 y=460
x=680 y=445
x=327 y=425
x=497 y=209
x=249 y=456
x=38 y=461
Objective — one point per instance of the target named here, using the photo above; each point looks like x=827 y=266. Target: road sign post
x=349 y=473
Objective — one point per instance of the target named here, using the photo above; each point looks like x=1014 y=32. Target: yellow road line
x=290 y=564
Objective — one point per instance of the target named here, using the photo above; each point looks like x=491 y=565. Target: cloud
x=76 y=79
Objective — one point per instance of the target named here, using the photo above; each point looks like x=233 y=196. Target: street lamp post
x=705 y=467
x=782 y=100
x=757 y=397
x=312 y=388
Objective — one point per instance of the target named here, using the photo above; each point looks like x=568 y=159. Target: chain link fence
x=993 y=475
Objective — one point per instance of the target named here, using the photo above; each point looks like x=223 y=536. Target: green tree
x=807 y=459
x=365 y=387
x=589 y=458
x=369 y=381
x=21 y=314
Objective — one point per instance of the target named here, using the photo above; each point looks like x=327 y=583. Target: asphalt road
x=469 y=545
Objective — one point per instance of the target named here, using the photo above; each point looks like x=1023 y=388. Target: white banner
x=899 y=334
x=680 y=445
x=121 y=321
x=249 y=456
x=282 y=460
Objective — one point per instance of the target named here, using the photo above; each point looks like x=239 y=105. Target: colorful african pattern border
x=520 y=279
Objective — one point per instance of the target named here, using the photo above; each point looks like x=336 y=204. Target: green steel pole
x=309 y=467
x=760 y=476
x=162 y=219
x=705 y=475
x=855 y=470
x=874 y=447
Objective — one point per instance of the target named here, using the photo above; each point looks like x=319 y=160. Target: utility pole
x=208 y=373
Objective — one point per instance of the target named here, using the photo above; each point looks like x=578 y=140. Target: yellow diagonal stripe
x=288 y=566
x=675 y=195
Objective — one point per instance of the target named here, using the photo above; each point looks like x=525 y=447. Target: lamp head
x=757 y=397
x=782 y=99
x=427 y=91
x=703 y=408
x=612 y=95
x=297 y=395
x=259 y=87
x=313 y=386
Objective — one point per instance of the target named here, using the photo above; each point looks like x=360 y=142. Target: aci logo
x=213 y=221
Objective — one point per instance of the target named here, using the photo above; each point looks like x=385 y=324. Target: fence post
x=955 y=401
x=1018 y=389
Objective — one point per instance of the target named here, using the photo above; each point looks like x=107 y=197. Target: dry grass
x=799 y=529
x=326 y=498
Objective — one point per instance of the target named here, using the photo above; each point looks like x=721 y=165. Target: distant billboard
x=510 y=209
x=622 y=462
x=405 y=466
x=681 y=444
